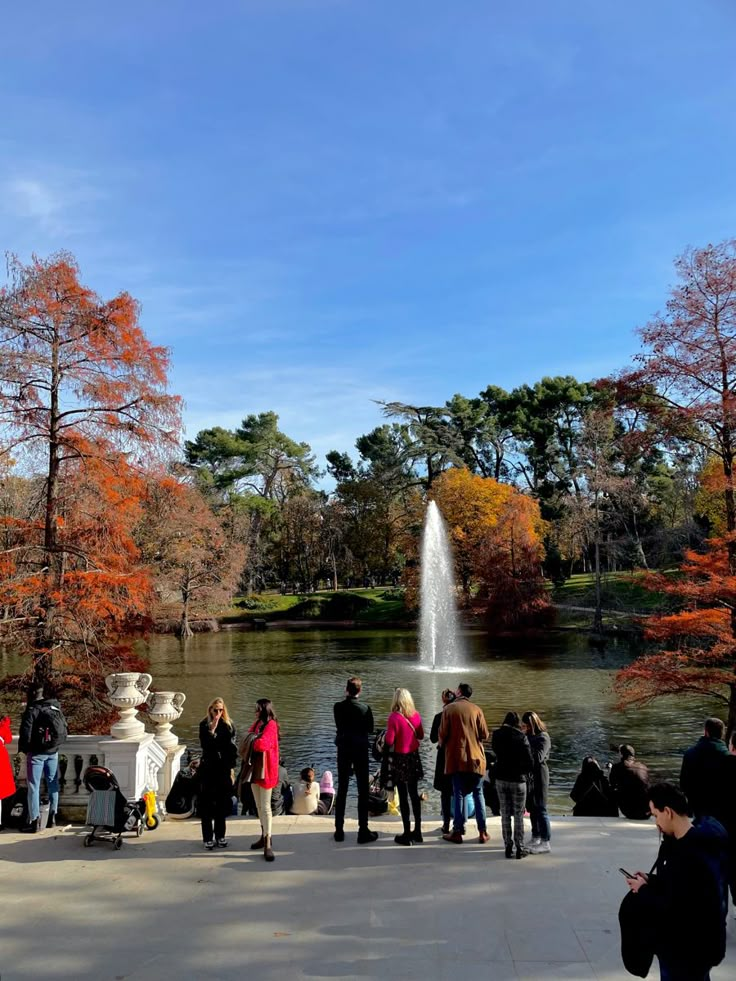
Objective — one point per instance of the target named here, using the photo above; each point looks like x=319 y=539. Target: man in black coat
x=729 y=811
x=629 y=782
x=682 y=901
x=700 y=776
x=354 y=722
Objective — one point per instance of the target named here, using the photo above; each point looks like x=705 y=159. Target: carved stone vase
x=127 y=690
x=165 y=707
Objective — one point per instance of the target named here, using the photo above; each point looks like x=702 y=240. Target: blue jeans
x=42 y=765
x=540 y=822
x=462 y=785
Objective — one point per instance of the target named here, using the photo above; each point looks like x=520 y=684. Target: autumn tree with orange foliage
x=187 y=548
x=84 y=407
x=496 y=533
x=698 y=641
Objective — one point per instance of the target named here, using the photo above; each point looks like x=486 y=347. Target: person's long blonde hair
x=216 y=703
x=403 y=703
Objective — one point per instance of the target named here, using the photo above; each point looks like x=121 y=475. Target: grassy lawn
x=379 y=605
x=620 y=591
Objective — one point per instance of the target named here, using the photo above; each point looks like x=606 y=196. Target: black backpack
x=49 y=730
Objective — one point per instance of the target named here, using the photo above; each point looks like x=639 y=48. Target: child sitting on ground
x=326 y=793
x=306 y=794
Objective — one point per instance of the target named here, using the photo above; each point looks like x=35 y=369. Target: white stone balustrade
x=138 y=759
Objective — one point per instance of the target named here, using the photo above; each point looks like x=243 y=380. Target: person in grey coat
x=536 y=798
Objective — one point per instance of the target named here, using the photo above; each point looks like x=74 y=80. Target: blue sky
x=325 y=202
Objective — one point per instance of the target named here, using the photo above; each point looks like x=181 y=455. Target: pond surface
x=559 y=676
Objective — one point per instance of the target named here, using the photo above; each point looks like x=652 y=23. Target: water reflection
x=304 y=673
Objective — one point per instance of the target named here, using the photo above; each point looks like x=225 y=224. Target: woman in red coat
x=266 y=728
x=7 y=783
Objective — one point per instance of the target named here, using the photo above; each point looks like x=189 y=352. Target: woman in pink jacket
x=266 y=727
x=403 y=734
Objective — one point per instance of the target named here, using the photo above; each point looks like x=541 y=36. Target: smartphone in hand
x=627 y=874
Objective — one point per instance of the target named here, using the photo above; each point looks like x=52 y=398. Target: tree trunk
x=598 y=616
x=185 y=631
x=46 y=629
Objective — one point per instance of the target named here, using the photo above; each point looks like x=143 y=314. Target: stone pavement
x=163 y=909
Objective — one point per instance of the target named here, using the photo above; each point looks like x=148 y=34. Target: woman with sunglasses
x=217 y=739
x=266 y=729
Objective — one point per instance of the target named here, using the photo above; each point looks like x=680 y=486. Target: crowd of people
x=510 y=766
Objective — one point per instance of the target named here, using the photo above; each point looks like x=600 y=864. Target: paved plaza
x=163 y=909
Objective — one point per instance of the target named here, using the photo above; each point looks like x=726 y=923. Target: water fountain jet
x=439 y=639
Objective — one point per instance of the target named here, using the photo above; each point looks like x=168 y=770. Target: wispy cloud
x=40 y=203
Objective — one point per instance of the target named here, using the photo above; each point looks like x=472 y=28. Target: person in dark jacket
x=42 y=729
x=592 y=792
x=217 y=739
x=729 y=810
x=683 y=898
x=354 y=722
x=701 y=771
x=514 y=764
x=629 y=782
x=538 y=787
x=442 y=781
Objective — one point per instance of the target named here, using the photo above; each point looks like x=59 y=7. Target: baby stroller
x=108 y=812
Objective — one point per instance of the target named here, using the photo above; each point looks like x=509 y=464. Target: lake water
x=560 y=677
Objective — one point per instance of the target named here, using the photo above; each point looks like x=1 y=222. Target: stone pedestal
x=135 y=762
x=168 y=772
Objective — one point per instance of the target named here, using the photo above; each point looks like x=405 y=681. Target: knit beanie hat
x=325 y=783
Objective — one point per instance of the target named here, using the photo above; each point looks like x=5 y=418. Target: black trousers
x=214 y=804
x=410 y=791
x=356 y=761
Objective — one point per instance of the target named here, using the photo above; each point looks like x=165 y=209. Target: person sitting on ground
x=326 y=793
x=701 y=771
x=306 y=793
x=629 y=782
x=591 y=792
x=281 y=795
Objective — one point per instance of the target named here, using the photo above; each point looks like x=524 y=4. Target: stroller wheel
x=118 y=844
x=139 y=830
x=152 y=823
x=88 y=839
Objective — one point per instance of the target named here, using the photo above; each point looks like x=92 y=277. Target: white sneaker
x=533 y=842
x=541 y=848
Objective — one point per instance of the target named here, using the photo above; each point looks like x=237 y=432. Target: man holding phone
x=683 y=898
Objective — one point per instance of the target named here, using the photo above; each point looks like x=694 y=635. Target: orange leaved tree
x=697 y=653
x=84 y=408
x=187 y=548
x=496 y=533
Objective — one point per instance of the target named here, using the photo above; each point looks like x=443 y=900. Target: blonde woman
x=217 y=739
x=404 y=732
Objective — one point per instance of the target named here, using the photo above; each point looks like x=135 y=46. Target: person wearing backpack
x=43 y=729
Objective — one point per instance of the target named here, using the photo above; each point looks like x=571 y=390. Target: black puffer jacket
x=514 y=760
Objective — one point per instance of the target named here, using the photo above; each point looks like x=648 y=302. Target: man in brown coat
x=462 y=731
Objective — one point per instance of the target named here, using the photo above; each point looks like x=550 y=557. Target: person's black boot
x=405 y=839
x=366 y=836
x=51 y=823
x=31 y=828
x=257 y=845
x=509 y=851
x=416 y=834
x=339 y=834
x=521 y=852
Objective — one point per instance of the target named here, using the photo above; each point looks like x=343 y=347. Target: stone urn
x=127 y=690
x=163 y=708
